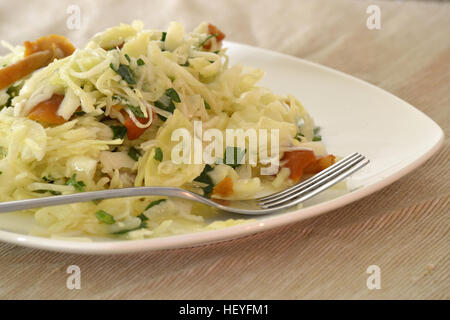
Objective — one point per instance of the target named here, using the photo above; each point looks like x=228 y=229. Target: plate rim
x=241 y=230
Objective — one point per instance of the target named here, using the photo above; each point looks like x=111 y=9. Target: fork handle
x=97 y=195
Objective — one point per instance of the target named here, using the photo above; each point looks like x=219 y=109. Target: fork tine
x=323 y=180
x=312 y=180
x=345 y=174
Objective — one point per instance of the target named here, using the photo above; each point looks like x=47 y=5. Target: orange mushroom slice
x=22 y=68
x=59 y=46
x=46 y=111
x=213 y=31
x=37 y=54
x=224 y=188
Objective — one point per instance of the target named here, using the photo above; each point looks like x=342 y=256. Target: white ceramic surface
x=353 y=115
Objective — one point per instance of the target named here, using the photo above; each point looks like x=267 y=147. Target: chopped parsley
x=206 y=179
x=299 y=137
x=119 y=132
x=125 y=72
x=12 y=91
x=134 y=153
x=173 y=95
x=53 y=192
x=105 y=217
x=317 y=137
x=3 y=152
x=140 y=62
x=127 y=57
x=136 y=110
x=207 y=106
x=233 y=157
x=163 y=36
x=48 y=179
x=186 y=64
x=158 y=154
x=79 y=185
x=166 y=102
x=79 y=113
x=154 y=203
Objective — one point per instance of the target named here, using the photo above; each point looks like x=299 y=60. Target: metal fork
x=269 y=204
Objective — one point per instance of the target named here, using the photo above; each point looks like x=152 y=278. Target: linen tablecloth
x=403 y=229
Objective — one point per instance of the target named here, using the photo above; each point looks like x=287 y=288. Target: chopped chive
x=119 y=132
x=105 y=217
x=127 y=57
x=163 y=36
x=134 y=153
x=317 y=138
x=207 y=38
x=140 y=62
x=207 y=106
x=158 y=154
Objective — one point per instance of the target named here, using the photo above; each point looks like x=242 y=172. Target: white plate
x=353 y=115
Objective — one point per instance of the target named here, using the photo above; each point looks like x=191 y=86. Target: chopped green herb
x=207 y=106
x=140 y=62
x=172 y=94
x=207 y=38
x=233 y=156
x=299 y=137
x=127 y=57
x=186 y=64
x=3 y=152
x=53 y=192
x=162 y=117
x=12 y=91
x=1 y=172
x=163 y=36
x=105 y=217
x=165 y=103
x=317 y=138
x=119 y=132
x=134 y=153
x=79 y=113
x=79 y=185
x=136 y=110
x=125 y=72
x=158 y=154
x=206 y=179
x=316 y=130
x=48 y=179
x=143 y=224
x=154 y=203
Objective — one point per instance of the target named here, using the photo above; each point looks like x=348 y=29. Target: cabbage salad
x=101 y=117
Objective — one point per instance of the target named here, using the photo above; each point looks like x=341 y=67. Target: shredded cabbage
x=124 y=74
